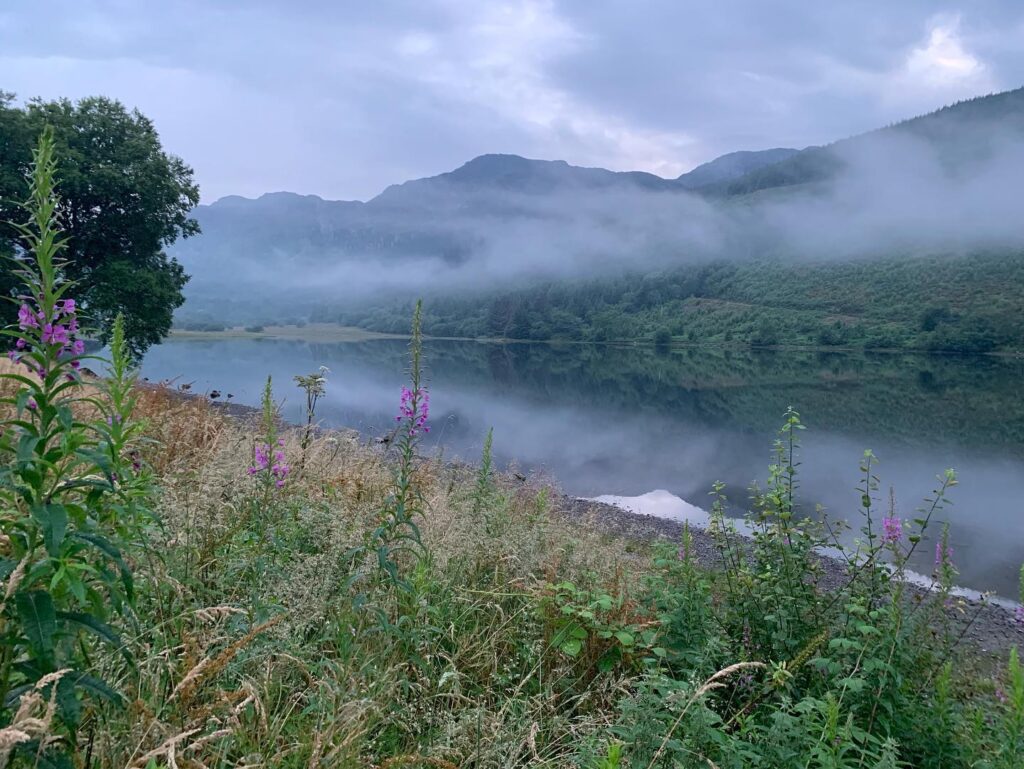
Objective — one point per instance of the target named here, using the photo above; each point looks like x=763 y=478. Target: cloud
x=941 y=67
x=342 y=99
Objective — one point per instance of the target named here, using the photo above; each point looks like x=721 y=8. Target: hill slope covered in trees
x=907 y=236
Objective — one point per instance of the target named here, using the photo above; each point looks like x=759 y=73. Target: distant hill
x=429 y=217
x=914 y=221
x=733 y=166
x=962 y=133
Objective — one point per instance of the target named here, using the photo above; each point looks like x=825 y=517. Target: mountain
x=433 y=217
x=929 y=201
x=501 y=174
x=964 y=133
x=732 y=166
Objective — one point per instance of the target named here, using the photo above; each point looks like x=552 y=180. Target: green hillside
x=962 y=133
x=959 y=304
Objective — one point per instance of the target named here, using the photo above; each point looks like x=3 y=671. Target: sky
x=342 y=98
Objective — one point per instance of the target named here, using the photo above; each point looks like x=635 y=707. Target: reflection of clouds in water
x=660 y=504
x=593 y=443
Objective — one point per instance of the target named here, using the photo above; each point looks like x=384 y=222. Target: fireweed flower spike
x=943 y=553
x=277 y=467
x=892 y=530
x=414 y=406
x=57 y=332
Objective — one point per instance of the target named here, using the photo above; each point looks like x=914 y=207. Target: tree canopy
x=123 y=201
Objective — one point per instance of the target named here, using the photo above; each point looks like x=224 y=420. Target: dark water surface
x=626 y=421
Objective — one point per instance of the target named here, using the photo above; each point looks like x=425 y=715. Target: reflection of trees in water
x=914 y=399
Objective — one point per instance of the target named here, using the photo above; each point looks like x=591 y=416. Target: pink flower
x=26 y=318
x=892 y=530
x=943 y=554
x=415 y=407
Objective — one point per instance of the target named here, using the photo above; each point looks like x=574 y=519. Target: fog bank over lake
x=628 y=421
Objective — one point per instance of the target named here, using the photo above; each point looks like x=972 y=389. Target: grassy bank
x=264 y=637
x=312 y=332
x=182 y=588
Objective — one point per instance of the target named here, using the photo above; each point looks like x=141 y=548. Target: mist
x=894 y=194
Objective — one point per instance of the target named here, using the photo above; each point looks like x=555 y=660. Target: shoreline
x=987 y=625
x=329 y=332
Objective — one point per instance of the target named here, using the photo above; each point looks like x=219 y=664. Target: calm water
x=628 y=421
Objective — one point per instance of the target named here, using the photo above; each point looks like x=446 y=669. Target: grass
x=312 y=332
x=258 y=641
x=182 y=589
x=323 y=669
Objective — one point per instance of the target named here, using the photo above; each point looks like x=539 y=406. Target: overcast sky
x=341 y=98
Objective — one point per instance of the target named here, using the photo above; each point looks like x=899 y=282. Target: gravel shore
x=987 y=626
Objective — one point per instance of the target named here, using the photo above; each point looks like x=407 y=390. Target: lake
x=626 y=421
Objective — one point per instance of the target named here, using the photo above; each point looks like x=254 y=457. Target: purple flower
x=277 y=468
x=892 y=530
x=943 y=553
x=1018 y=614
x=26 y=318
x=415 y=407
x=52 y=333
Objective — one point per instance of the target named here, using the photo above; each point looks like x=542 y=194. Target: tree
x=124 y=200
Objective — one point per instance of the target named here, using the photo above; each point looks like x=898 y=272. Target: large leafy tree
x=124 y=200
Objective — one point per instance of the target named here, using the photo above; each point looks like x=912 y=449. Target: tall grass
x=381 y=608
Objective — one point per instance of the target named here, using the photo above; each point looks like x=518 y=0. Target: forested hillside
x=973 y=304
x=906 y=237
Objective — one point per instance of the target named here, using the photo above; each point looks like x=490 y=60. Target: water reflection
x=628 y=421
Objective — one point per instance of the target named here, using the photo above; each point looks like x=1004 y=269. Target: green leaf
x=624 y=638
x=97 y=688
x=107 y=548
x=68 y=705
x=572 y=647
x=54 y=520
x=39 y=621
x=91 y=624
x=26 y=447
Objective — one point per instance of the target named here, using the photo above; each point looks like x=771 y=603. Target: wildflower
x=415 y=407
x=261 y=458
x=1018 y=614
x=892 y=530
x=272 y=461
x=31 y=404
x=943 y=553
x=55 y=334
x=26 y=318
